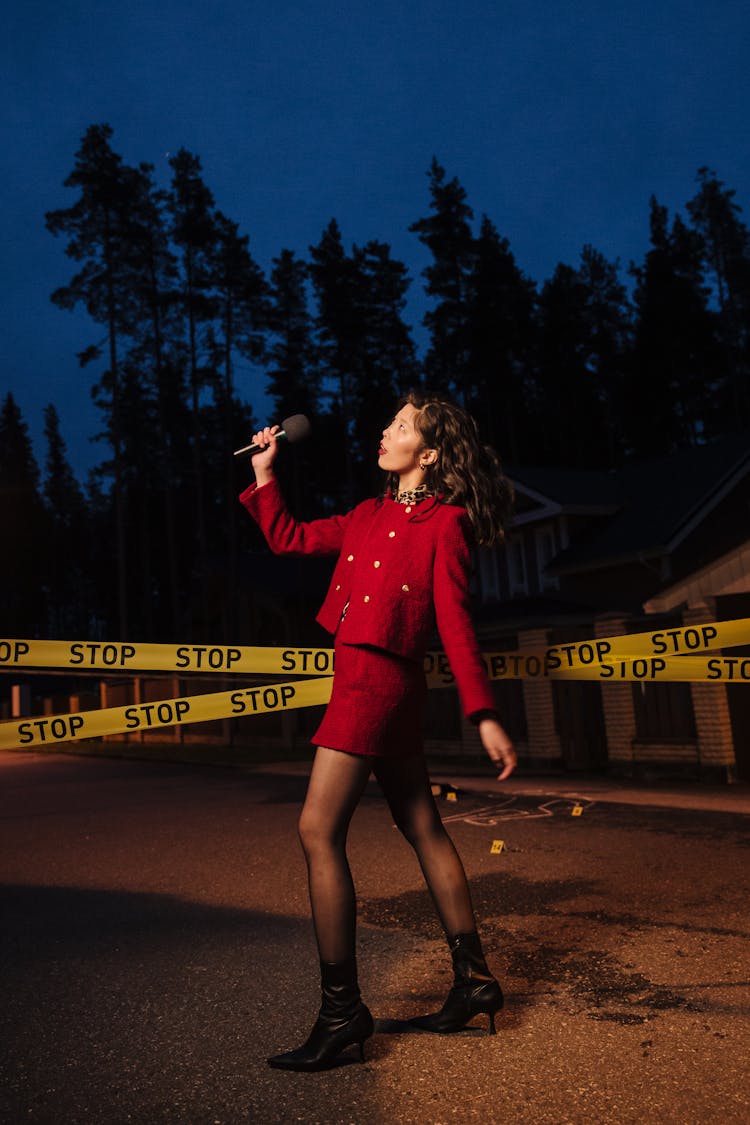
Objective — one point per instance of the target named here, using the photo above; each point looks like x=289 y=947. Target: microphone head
x=296 y=428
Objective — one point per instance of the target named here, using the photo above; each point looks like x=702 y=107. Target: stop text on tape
x=115 y=656
x=663 y=654
x=639 y=669
x=137 y=717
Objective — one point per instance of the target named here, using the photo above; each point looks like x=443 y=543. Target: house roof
x=566 y=487
x=654 y=503
x=727 y=575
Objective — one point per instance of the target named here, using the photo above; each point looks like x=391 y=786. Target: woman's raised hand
x=263 y=462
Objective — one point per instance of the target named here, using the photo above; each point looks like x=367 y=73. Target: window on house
x=546 y=549
x=517 y=566
x=489 y=582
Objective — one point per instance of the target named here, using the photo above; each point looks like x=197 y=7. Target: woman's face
x=402 y=448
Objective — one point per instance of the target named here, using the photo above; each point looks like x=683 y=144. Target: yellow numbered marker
x=497 y=847
x=576 y=810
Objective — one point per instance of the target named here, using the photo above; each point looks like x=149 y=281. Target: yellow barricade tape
x=680 y=641
x=528 y=666
x=309 y=693
x=111 y=656
x=28 y=733
x=75 y=656
x=658 y=656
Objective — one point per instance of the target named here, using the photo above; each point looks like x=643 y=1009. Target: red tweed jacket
x=400 y=569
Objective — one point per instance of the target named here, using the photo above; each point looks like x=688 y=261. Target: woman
x=403 y=562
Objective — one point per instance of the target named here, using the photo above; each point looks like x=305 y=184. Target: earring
x=423 y=467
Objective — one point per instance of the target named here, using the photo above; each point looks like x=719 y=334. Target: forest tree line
x=581 y=371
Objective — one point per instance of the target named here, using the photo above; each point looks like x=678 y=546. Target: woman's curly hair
x=466 y=472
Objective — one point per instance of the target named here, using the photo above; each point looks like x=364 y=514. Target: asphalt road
x=156 y=947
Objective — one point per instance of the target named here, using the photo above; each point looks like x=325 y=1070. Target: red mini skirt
x=377 y=704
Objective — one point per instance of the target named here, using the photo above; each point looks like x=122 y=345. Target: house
x=656 y=543
x=599 y=541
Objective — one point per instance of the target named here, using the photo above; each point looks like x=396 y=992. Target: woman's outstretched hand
x=263 y=462
x=499 y=747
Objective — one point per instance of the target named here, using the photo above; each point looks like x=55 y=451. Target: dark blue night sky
x=559 y=118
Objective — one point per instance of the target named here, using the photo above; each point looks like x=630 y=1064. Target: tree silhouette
x=293 y=380
x=98 y=228
x=607 y=343
x=365 y=354
x=339 y=337
x=23 y=593
x=569 y=372
x=156 y=354
x=194 y=234
x=68 y=539
x=567 y=401
x=676 y=360
x=243 y=312
x=500 y=319
x=726 y=243
x=388 y=364
x=448 y=236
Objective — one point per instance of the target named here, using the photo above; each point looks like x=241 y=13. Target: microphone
x=292 y=429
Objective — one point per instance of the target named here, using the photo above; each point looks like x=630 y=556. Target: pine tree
x=18 y=467
x=68 y=544
x=157 y=353
x=672 y=381
x=194 y=234
x=243 y=316
x=726 y=255
x=501 y=333
x=608 y=341
x=293 y=379
x=384 y=285
x=242 y=299
x=448 y=236
x=567 y=406
x=365 y=354
x=388 y=364
x=98 y=228
x=339 y=345
x=582 y=354
x=23 y=569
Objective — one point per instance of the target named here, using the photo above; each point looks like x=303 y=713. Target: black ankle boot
x=343 y=1020
x=474 y=989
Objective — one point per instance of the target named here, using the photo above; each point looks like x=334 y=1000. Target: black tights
x=336 y=785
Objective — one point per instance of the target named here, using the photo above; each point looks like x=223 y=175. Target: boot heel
x=475 y=991
x=343 y=1021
